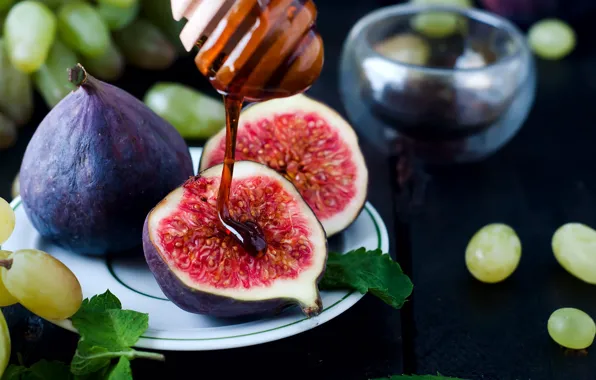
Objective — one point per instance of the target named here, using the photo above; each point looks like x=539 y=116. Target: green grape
x=193 y=114
x=159 y=13
x=109 y=66
x=82 y=29
x=145 y=46
x=117 y=18
x=119 y=3
x=29 y=30
x=5 y=344
x=406 y=48
x=439 y=24
x=6 y=299
x=493 y=253
x=8 y=133
x=16 y=187
x=7 y=220
x=51 y=79
x=551 y=39
x=6 y=4
x=571 y=328
x=42 y=284
x=16 y=90
x=574 y=247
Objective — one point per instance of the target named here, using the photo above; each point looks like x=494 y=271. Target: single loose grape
x=406 y=48
x=438 y=24
x=42 y=284
x=5 y=344
x=82 y=29
x=7 y=220
x=551 y=39
x=574 y=247
x=194 y=114
x=29 y=30
x=6 y=299
x=493 y=253
x=572 y=328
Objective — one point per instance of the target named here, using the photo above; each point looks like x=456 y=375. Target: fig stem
x=6 y=263
x=77 y=75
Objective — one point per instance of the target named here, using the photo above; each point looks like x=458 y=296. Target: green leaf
x=42 y=370
x=89 y=358
x=107 y=333
x=121 y=371
x=368 y=271
x=50 y=370
x=113 y=329
x=100 y=302
x=14 y=372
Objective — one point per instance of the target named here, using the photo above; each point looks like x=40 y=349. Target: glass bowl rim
x=361 y=28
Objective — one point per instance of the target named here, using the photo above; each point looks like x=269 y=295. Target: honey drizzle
x=235 y=78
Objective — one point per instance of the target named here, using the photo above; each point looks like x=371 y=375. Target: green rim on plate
x=17 y=202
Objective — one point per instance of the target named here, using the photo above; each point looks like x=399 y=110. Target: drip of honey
x=250 y=50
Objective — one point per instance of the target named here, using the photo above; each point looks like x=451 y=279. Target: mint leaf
x=14 y=372
x=42 y=370
x=368 y=271
x=100 y=302
x=121 y=371
x=112 y=329
x=107 y=332
x=89 y=358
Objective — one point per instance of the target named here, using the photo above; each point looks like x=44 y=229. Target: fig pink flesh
x=195 y=242
x=307 y=151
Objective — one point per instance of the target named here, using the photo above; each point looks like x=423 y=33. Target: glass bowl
x=455 y=84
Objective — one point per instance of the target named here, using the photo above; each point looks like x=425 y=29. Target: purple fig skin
x=96 y=165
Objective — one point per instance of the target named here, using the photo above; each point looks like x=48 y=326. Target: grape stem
x=77 y=75
x=6 y=263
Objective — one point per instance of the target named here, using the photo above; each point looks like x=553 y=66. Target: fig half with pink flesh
x=203 y=269
x=312 y=146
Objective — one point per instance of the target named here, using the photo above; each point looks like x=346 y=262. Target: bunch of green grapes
x=41 y=39
x=23 y=276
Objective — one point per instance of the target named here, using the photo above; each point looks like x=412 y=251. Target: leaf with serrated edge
x=100 y=302
x=368 y=271
x=113 y=329
x=121 y=371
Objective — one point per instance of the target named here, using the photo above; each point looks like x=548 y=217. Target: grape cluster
x=23 y=274
x=41 y=39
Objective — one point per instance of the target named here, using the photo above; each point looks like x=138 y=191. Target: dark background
x=452 y=324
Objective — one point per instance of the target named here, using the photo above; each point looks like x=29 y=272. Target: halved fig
x=311 y=145
x=204 y=270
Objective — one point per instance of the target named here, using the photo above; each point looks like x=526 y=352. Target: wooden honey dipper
x=253 y=49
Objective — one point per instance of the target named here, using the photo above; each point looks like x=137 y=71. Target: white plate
x=171 y=328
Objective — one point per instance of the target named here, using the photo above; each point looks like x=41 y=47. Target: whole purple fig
x=96 y=165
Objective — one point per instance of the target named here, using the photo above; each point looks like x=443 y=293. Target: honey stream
x=252 y=50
